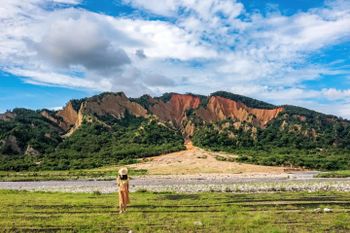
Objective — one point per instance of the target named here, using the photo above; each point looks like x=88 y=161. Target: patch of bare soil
x=195 y=160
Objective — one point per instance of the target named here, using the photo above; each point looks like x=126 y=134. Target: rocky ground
x=254 y=182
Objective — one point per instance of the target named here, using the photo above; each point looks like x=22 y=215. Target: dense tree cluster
x=28 y=128
x=96 y=144
x=311 y=140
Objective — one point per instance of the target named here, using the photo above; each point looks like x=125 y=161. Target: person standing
x=123 y=186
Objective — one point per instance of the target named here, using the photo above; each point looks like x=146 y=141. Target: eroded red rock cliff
x=175 y=109
x=219 y=108
x=115 y=105
x=68 y=114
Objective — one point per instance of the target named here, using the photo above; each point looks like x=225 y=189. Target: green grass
x=335 y=174
x=169 y=212
x=103 y=173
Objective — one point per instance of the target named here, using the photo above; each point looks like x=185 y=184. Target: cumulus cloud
x=167 y=7
x=202 y=9
x=199 y=46
x=159 y=80
x=77 y=40
x=334 y=94
x=164 y=40
x=270 y=50
x=140 y=54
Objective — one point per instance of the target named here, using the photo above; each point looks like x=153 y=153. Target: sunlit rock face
x=174 y=109
x=219 y=108
x=68 y=114
x=115 y=105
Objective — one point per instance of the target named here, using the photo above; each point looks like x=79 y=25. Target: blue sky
x=284 y=52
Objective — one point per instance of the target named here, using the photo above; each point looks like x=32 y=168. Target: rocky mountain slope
x=111 y=123
x=173 y=109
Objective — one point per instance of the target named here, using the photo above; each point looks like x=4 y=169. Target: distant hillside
x=111 y=128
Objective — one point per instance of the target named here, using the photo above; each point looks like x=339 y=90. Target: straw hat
x=123 y=171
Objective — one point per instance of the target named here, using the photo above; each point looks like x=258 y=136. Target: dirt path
x=195 y=160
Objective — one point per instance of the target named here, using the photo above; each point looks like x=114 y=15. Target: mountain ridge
x=169 y=107
x=113 y=127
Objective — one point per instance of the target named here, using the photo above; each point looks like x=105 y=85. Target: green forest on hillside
x=28 y=127
x=318 y=141
x=94 y=144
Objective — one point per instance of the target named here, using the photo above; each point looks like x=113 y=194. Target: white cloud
x=341 y=110
x=90 y=45
x=166 y=7
x=205 y=46
x=93 y=56
x=334 y=94
x=336 y=109
x=45 y=77
x=71 y=2
x=205 y=10
x=163 y=40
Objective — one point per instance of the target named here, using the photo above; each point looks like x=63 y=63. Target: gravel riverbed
x=301 y=181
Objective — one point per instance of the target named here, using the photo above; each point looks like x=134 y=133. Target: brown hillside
x=174 y=110
x=69 y=114
x=220 y=108
x=115 y=105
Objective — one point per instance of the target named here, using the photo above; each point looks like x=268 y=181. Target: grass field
x=169 y=212
x=335 y=174
x=103 y=173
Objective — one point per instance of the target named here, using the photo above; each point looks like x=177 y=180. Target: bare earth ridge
x=173 y=110
x=195 y=160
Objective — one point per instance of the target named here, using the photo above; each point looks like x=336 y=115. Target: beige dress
x=123 y=191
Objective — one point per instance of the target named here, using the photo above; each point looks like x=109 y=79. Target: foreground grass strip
x=170 y=212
